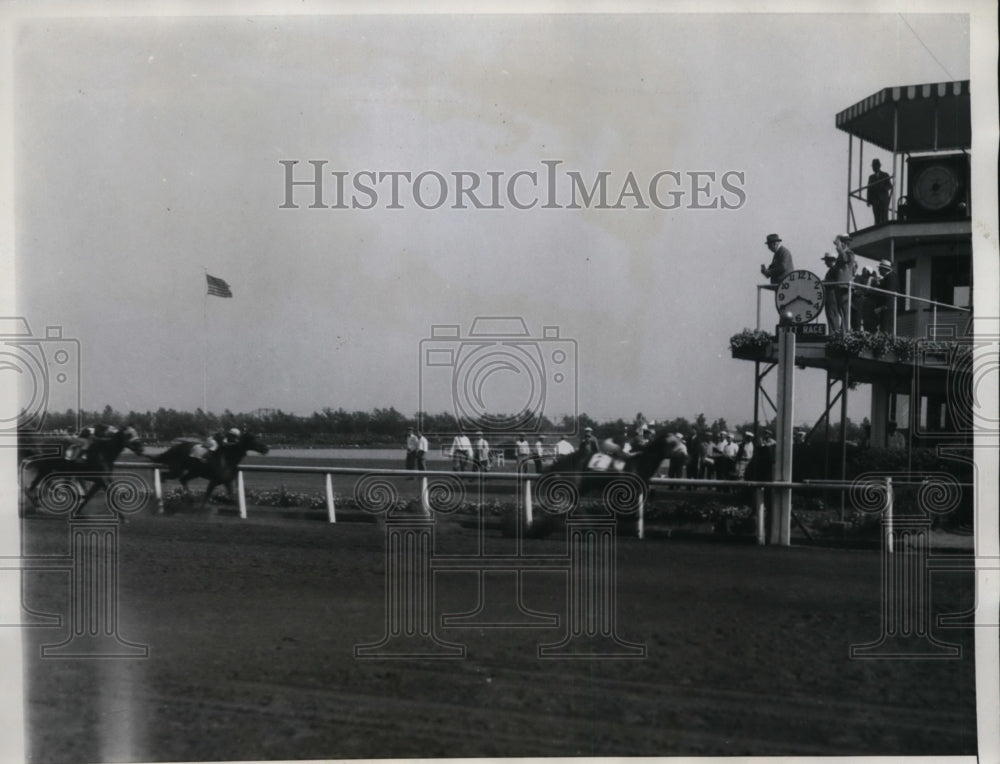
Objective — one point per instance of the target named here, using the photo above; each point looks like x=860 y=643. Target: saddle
x=604 y=463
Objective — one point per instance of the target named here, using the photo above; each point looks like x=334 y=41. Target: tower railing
x=889 y=297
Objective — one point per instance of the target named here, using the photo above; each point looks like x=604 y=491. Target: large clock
x=935 y=187
x=799 y=297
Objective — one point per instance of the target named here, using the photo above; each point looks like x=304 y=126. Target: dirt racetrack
x=251 y=627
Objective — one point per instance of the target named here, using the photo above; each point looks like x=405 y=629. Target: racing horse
x=622 y=478
x=88 y=460
x=218 y=467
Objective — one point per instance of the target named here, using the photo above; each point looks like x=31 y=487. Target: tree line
x=337 y=427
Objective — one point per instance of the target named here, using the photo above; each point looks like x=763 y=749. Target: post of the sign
x=781 y=526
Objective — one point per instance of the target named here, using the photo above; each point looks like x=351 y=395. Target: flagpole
x=204 y=353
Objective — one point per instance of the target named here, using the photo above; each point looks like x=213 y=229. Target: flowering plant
x=750 y=339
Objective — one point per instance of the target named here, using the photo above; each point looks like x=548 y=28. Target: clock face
x=800 y=294
x=936 y=187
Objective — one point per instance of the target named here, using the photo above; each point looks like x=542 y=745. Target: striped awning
x=931 y=117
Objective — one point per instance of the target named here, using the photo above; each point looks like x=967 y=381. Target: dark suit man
x=888 y=281
x=781 y=262
x=879 y=192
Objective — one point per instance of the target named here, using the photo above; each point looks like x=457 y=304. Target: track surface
x=251 y=628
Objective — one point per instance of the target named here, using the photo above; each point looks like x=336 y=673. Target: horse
x=218 y=467
x=90 y=460
x=624 y=478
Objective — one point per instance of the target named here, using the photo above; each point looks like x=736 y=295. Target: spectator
x=781 y=262
x=539 y=453
x=894 y=438
x=888 y=282
x=744 y=453
x=461 y=452
x=481 y=453
x=863 y=303
x=422 y=448
x=836 y=294
x=879 y=192
x=412 y=441
x=523 y=452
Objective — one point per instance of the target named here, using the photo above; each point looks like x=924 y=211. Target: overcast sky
x=148 y=151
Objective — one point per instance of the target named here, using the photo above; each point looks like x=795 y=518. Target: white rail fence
x=874 y=494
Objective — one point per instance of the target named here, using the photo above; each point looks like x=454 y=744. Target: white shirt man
x=729 y=447
x=482 y=452
x=422 y=448
x=461 y=452
x=564 y=447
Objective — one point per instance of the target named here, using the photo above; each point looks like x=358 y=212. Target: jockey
x=78 y=445
x=589 y=444
x=233 y=436
x=641 y=439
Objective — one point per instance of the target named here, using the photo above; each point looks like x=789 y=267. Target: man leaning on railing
x=888 y=281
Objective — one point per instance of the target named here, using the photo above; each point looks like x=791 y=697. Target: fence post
x=240 y=495
x=331 y=509
x=158 y=491
x=758 y=500
x=888 y=515
x=425 y=499
x=642 y=515
x=528 y=512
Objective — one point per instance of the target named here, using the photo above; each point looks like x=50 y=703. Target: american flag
x=218 y=287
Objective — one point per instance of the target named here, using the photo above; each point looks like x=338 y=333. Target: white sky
x=147 y=150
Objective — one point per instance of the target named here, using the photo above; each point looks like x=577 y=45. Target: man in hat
x=588 y=443
x=835 y=284
x=781 y=260
x=412 y=441
x=879 y=191
x=461 y=452
x=481 y=453
x=888 y=281
x=744 y=454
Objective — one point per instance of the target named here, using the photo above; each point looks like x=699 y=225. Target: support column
x=781 y=516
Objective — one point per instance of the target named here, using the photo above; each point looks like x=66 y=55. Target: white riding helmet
x=234 y=432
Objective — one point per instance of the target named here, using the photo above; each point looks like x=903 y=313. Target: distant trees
x=382 y=425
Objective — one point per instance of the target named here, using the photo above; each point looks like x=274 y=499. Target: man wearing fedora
x=879 y=192
x=888 y=281
x=836 y=293
x=781 y=262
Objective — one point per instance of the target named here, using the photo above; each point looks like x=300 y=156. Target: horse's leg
x=98 y=484
x=208 y=495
